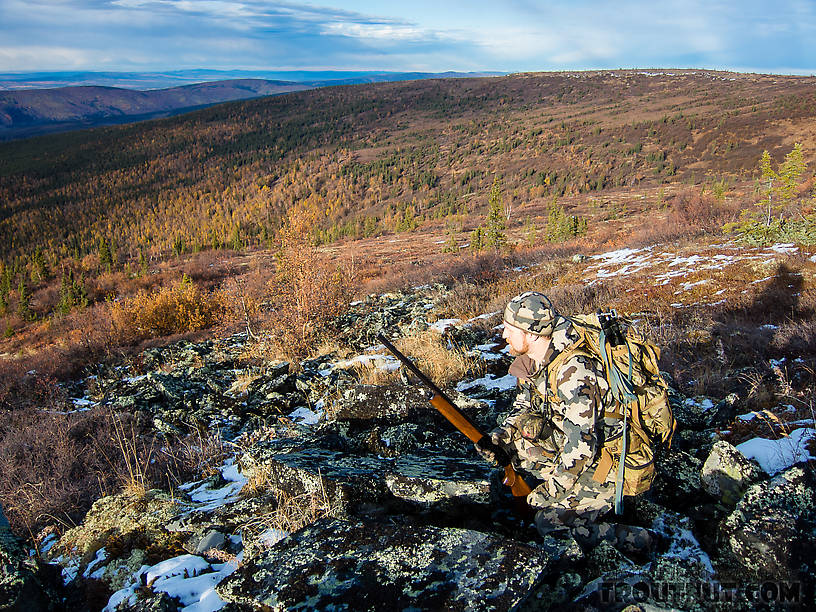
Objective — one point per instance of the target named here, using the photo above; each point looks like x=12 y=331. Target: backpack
x=640 y=395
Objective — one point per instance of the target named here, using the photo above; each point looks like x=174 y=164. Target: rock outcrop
x=379 y=566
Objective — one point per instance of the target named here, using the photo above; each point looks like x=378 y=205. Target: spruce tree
x=477 y=239
x=496 y=224
x=104 y=254
x=23 y=301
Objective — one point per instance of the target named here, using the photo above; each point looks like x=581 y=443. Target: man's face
x=517 y=340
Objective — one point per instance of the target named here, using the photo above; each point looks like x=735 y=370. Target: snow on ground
x=101 y=557
x=208 y=499
x=774 y=456
x=702 y=403
x=378 y=361
x=270 y=537
x=489 y=382
x=442 y=324
x=304 y=416
x=485 y=351
x=682 y=543
x=189 y=578
x=668 y=265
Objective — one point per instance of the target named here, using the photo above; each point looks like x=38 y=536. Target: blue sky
x=418 y=35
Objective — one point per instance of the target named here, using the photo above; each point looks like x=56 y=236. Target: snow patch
x=775 y=456
x=489 y=382
x=188 y=578
x=443 y=324
x=304 y=416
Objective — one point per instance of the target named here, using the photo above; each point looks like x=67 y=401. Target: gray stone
x=727 y=474
x=370 y=402
x=677 y=483
x=212 y=539
x=429 y=480
x=21 y=589
x=334 y=564
x=770 y=533
x=667 y=583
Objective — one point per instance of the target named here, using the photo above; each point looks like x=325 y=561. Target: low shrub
x=177 y=309
x=309 y=292
x=55 y=465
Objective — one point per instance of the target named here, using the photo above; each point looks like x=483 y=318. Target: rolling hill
x=29 y=112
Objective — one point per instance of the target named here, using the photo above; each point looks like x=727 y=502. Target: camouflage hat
x=531 y=312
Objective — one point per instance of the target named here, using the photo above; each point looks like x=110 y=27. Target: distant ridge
x=78 y=100
x=177 y=78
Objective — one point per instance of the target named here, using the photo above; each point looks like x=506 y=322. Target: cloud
x=423 y=34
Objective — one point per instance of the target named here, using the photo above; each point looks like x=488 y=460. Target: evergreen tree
x=5 y=283
x=142 y=262
x=23 y=301
x=72 y=293
x=39 y=272
x=451 y=246
x=178 y=246
x=215 y=241
x=235 y=240
x=105 y=258
x=477 y=239
x=496 y=222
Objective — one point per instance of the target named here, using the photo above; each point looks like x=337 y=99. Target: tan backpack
x=640 y=399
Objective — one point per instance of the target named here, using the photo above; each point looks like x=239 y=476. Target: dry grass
x=441 y=362
x=291 y=513
x=55 y=465
x=368 y=373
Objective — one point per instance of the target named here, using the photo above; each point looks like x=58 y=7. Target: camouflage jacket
x=570 y=439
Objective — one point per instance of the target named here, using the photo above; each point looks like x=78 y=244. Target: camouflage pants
x=577 y=512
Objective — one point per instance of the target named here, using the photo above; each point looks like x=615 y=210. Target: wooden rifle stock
x=460 y=421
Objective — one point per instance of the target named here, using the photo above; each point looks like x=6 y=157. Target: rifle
x=443 y=404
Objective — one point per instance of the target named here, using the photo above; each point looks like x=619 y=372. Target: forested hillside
x=377 y=157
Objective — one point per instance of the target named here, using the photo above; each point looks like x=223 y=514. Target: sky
x=418 y=35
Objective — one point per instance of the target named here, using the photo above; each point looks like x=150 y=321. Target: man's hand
x=530 y=426
x=487 y=448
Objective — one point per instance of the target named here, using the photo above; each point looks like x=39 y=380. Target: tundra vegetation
x=274 y=217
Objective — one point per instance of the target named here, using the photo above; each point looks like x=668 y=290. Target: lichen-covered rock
x=334 y=564
x=694 y=412
x=429 y=480
x=373 y=402
x=21 y=589
x=771 y=531
x=667 y=583
x=677 y=483
x=727 y=474
x=121 y=524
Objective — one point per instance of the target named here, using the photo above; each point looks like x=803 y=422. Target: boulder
x=347 y=481
x=727 y=474
x=677 y=483
x=770 y=532
x=22 y=589
x=121 y=524
x=334 y=564
x=373 y=402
